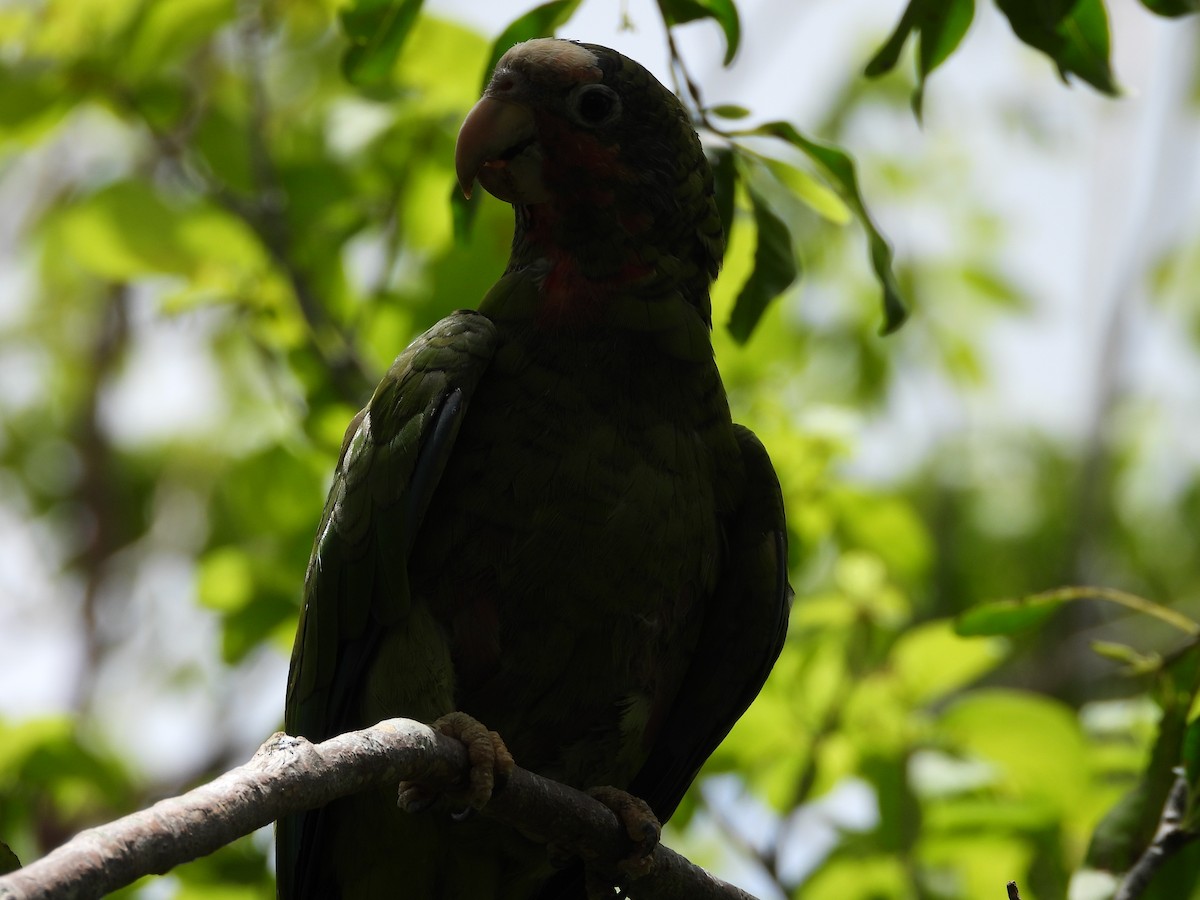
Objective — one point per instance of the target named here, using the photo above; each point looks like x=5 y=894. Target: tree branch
x=1170 y=838
x=289 y=775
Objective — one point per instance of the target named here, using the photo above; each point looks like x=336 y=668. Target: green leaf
x=1128 y=827
x=941 y=33
x=127 y=230
x=811 y=191
x=943 y=26
x=729 y=111
x=1172 y=7
x=1135 y=662
x=123 y=231
x=31 y=102
x=679 y=12
x=1190 y=757
x=225 y=580
x=541 y=21
x=1007 y=616
x=71 y=31
x=1034 y=740
x=1073 y=34
x=888 y=55
x=838 y=165
x=940 y=26
x=1014 y=615
x=931 y=661
x=376 y=30
x=167 y=31
x=8 y=860
x=864 y=874
x=775 y=266
x=724 y=169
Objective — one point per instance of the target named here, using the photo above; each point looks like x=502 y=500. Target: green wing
x=357 y=582
x=745 y=623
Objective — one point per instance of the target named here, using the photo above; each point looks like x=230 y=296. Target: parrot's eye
x=594 y=105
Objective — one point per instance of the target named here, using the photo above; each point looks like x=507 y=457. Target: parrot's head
x=601 y=162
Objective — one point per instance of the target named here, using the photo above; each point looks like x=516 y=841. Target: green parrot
x=545 y=518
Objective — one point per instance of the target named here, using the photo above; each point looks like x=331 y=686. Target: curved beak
x=494 y=132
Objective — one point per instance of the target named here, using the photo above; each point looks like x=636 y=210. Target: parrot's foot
x=640 y=824
x=643 y=830
x=491 y=764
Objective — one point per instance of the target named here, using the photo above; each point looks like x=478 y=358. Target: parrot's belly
x=558 y=583
x=565 y=560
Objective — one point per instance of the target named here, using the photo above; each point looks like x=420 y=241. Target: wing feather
x=391 y=463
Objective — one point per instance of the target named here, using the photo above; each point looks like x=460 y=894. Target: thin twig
x=767 y=858
x=679 y=70
x=1121 y=598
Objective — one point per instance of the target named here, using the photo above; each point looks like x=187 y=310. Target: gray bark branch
x=290 y=774
x=1169 y=839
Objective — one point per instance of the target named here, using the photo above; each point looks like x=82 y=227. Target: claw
x=414 y=798
x=640 y=824
x=491 y=764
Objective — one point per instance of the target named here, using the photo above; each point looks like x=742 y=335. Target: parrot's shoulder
x=451 y=354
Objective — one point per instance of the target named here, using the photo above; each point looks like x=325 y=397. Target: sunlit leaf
x=931 y=660
x=1035 y=741
x=46 y=757
x=729 y=111
x=225 y=580
x=678 y=12
x=811 y=191
x=839 y=166
x=166 y=31
x=70 y=30
x=889 y=528
x=376 y=30
x=1006 y=616
x=1136 y=663
x=127 y=230
x=124 y=230
x=775 y=265
x=1014 y=615
x=863 y=876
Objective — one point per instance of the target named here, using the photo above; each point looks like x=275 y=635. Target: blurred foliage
x=231 y=214
x=1074 y=34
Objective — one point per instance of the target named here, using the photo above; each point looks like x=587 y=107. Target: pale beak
x=496 y=144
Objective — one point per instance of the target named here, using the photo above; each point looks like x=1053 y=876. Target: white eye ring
x=594 y=105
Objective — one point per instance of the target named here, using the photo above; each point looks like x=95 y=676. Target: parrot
x=545 y=519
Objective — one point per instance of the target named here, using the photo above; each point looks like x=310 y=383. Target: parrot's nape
x=545 y=518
